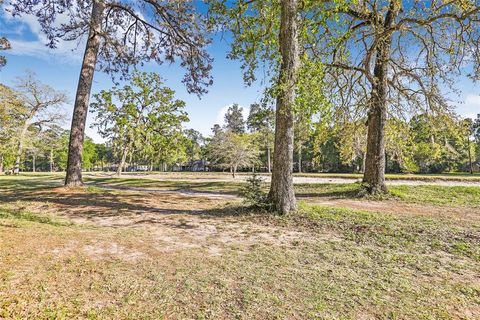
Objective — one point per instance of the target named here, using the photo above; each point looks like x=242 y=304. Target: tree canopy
x=142 y=117
x=234 y=119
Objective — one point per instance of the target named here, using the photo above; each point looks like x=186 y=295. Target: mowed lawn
x=134 y=248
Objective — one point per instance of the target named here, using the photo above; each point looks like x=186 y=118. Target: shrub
x=253 y=194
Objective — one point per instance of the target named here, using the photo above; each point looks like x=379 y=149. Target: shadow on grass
x=143 y=205
x=330 y=195
x=28 y=183
x=330 y=191
x=146 y=185
x=93 y=204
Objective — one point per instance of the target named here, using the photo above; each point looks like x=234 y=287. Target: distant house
x=137 y=167
x=196 y=165
x=476 y=166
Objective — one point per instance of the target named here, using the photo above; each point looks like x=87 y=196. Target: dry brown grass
x=147 y=255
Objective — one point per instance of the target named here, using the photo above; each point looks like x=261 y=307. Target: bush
x=253 y=194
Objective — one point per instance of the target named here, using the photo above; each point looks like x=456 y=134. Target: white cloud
x=470 y=107
x=68 y=51
x=221 y=113
x=473 y=100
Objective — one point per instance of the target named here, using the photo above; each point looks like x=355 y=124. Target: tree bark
x=470 y=162
x=21 y=138
x=16 y=168
x=374 y=176
x=281 y=192
x=122 y=161
x=34 y=163
x=300 y=158
x=363 y=163
x=1 y=163
x=80 y=109
x=51 y=160
x=268 y=160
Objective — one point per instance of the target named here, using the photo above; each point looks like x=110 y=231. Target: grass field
x=454 y=176
x=134 y=253
x=431 y=194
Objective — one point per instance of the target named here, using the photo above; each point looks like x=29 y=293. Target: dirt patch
x=177 y=223
x=185 y=193
x=214 y=235
x=385 y=206
x=174 y=221
x=101 y=250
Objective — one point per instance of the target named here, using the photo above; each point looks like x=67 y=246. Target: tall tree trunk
x=300 y=158
x=374 y=176
x=1 y=163
x=363 y=163
x=80 y=109
x=21 y=138
x=281 y=193
x=34 y=163
x=268 y=160
x=51 y=160
x=16 y=168
x=122 y=161
x=470 y=162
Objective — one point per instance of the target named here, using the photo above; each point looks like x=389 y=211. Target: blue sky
x=60 y=69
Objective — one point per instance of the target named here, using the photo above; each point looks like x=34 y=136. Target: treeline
x=422 y=144
x=144 y=126
x=31 y=133
x=32 y=138
x=47 y=151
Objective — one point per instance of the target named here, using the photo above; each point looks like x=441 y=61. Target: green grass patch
x=454 y=176
x=380 y=229
x=424 y=194
x=32 y=217
x=438 y=195
x=29 y=183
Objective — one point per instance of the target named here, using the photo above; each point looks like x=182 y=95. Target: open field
x=454 y=176
x=392 y=179
x=146 y=247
